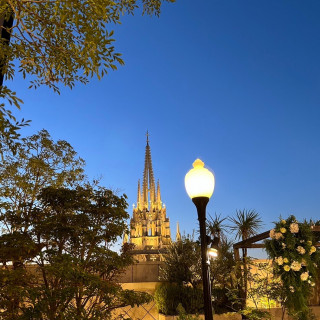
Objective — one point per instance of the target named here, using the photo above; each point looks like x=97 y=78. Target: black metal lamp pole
x=201 y=204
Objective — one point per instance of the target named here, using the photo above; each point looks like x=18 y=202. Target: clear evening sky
x=234 y=82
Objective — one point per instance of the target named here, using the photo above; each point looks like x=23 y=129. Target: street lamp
x=213 y=249
x=199 y=183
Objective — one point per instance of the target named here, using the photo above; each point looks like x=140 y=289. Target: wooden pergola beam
x=254 y=245
x=250 y=242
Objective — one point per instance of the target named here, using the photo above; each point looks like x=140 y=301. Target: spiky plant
x=216 y=227
x=245 y=224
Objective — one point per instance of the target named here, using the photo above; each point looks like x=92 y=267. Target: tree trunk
x=4 y=34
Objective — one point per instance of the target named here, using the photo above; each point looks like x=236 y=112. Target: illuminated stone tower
x=149 y=226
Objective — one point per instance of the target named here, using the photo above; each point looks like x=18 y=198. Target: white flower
x=286 y=268
x=312 y=284
x=279 y=261
x=294 y=228
x=301 y=241
x=271 y=234
x=291 y=289
x=304 y=276
x=295 y=266
x=278 y=235
x=312 y=250
x=283 y=230
x=301 y=250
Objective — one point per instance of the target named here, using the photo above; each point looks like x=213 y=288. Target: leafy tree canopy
x=57 y=236
x=69 y=269
x=59 y=42
x=39 y=162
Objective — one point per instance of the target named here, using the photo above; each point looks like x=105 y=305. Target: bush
x=222 y=301
x=169 y=295
x=255 y=314
x=183 y=314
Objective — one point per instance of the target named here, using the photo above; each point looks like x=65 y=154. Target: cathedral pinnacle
x=178 y=234
x=149 y=226
x=148 y=183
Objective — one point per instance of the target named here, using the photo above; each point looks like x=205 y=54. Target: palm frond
x=215 y=226
x=245 y=224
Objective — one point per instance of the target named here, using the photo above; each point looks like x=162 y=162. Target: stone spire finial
x=139 y=196
x=148 y=184
x=158 y=199
x=178 y=234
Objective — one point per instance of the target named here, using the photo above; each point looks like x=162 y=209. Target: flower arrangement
x=295 y=259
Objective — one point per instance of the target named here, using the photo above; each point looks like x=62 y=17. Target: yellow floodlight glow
x=199 y=181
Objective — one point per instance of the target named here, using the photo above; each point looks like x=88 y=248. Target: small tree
x=182 y=264
x=70 y=269
x=181 y=271
x=39 y=162
x=224 y=279
x=245 y=224
x=222 y=268
x=217 y=228
x=56 y=237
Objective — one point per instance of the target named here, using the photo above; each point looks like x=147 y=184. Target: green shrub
x=169 y=295
x=222 y=301
x=183 y=314
x=255 y=314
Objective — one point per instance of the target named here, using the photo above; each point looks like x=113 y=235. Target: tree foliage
x=39 y=162
x=57 y=236
x=70 y=271
x=224 y=282
x=170 y=297
x=59 y=42
x=9 y=130
x=182 y=263
x=245 y=224
x=182 y=268
x=216 y=227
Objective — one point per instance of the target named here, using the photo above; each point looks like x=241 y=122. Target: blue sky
x=235 y=83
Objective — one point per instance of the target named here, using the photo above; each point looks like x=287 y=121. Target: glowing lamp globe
x=212 y=252
x=199 y=181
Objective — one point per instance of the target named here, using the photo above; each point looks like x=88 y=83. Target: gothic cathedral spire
x=148 y=199
x=149 y=226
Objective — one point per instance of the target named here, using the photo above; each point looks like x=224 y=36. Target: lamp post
x=199 y=183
